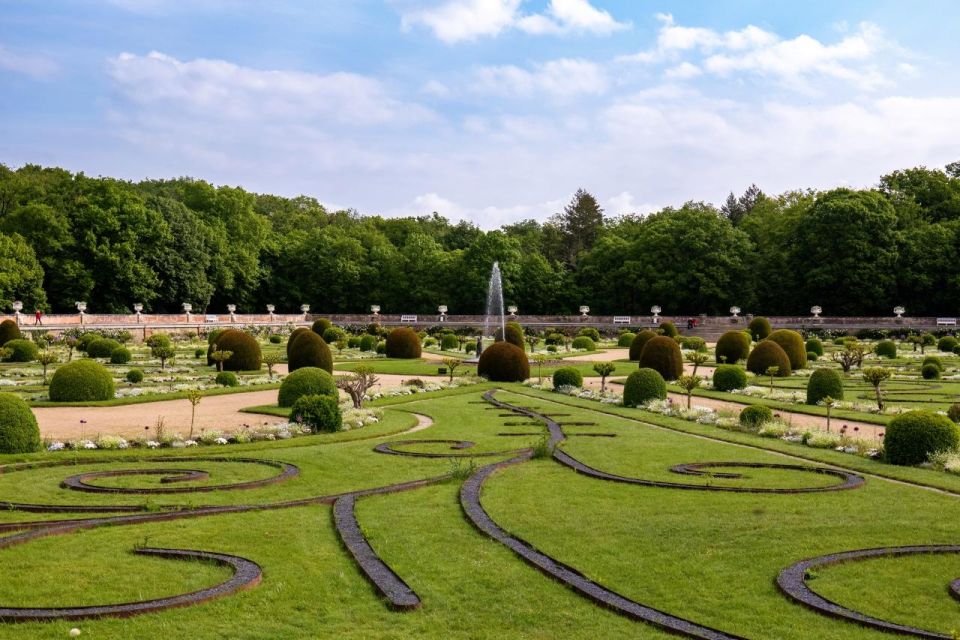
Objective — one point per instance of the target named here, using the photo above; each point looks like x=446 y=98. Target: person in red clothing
x=38 y=317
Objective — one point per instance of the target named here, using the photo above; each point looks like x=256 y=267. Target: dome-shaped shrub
x=226 y=379
x=81 y=381
x=663 y=355
x=320 y=326
x=693 y=343
x=769 y=354
x=792 y=344
x=449 y=342
x=514 y=334
x=814 y=345
x=934 y=360
x=403 y=342
x=9 y=331
x=669 y=329
x=368 y=342
x=309 y=350
x=583 y=342
x=755 y=415
x=953 y=412
x=947 y=344
x=332 y=334
x=728 y=377
x=307 y=381
x=102 y=348
x=759 y=328
x=930 y=372
x=21 y=350
x=245 y=348
x=886 y=349
x=374 y=329
x=134 y=376
x=19 y=432
x=567 y=377
x=120 y=355
x=503 y=362
x=157 y=340
x=320 y=413
x=911 y=437
x=732 y=347
x=296 y=333
x=639 y=342
x=642 y=386
x=590 y=332
x=213 y=334
x=812 y=356
x=626 y=339
x=823 y=383
x=381 y=347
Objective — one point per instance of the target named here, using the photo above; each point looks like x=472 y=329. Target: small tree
x=71 y=344
x=772 y=371
x=462 y=340
x=47 y=358
x=357 y=384
x=451 y=364
x=914 y=341
x=852 y=355
x=272 y=360
x=696 y=359
x=533 y=341
x=341 y=344
x=163 y=353
x=688 y=383
x=5 y=353
x=194 y=396
x=927 y=340
x=829 y=403
x=876 y=376
x=604 y=369
x=219 y=356
x=540 y=358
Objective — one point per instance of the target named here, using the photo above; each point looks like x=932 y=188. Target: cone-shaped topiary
x=759 y=328
x=81 y=381
x=504 y=362
x=626 y=339
x=792 y=343
x=22 y=350
x=669 y=329
x=769 y=354
x=886 y=349
x=304 y=382
x=732 y=347
x=19 y=432
x=102 y=348
x=403 y=342
x=911 y=437
x=309 y=350
x=639 y=342
x=663 y=355
x=567 y=377
x=814 y=345
x=246 y=351
x=514 y=334
x=9 y=331
x=728 y=377
x=823 y=383
x=299 y=331
x=320 y=326
x=642 y=386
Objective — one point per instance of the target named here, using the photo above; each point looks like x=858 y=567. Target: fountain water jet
x=494 y=311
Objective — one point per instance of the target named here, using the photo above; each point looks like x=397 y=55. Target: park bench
x=211 y=319
x=946 y=322
x=406 y=319
x=621 y=319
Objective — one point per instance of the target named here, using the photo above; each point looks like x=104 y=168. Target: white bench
x=946 y=322
x=621 y=319
x=406 y=319
x=211 y=319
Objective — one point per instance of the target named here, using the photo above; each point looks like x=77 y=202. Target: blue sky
x=488 y=110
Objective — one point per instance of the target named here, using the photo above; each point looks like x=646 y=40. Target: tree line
x=66 y=237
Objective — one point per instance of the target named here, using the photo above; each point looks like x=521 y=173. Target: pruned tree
x=47 y=358
x=697 y=358
x=163 y=353
x=357 y=384
x=604 y=369
x=876 y=377
x=219 y=356
x=688 y=383
x=272 y=359
x=451 y=364
x=852 y=355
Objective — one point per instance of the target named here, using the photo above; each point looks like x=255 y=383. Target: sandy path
x=423 y=422
x=603 y=356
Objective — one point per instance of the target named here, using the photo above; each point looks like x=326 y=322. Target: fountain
x=494 y=313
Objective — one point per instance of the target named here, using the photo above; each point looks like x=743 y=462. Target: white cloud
x=486 y=217
x=563 y=77
x=625 y=203
x=683 y=71
x=38 y=66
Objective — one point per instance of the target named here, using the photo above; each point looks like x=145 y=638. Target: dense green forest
x=67 y=237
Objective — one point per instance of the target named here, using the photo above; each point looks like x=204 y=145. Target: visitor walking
x=38 y=318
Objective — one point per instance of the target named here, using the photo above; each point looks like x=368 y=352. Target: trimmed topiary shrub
x=693 y=343
x=296 y=333
x=759 y=328
x=886 y=349
x=911 y=437
x=590 y=332
x=331 y=335
x=246 y=351
x=449 y=342
x=381 y=347
x=81 y=381
x=275 y=339
x=403 y=342
x=368 y=342
x=102 y=348
x=307 y=381
x=953 y=412
x=669 y=329
x=812 y=356
x=215 y=333
x=9 y=331
x=732 y=347
x=823 y=383
x=642 y=386
x=320 y=326
x=930 y=372
x=353 y=342
x=583 y=342
x=626 y=339
x=19 y=432
x=198 y=353
x=792 y=344
x=934 y=360
x=639 y=342
x=309 y=350
x=947 y=344
x=769 y=354
x=22 y=350
x=567 y=377
x=514 y=335
x=814 y=345
x=134 y=376
x=755 y=416
x=227 y=379
x=503 y=362
x=158 y=340
x=120 y=355
x=318 y=412
x=663 y=355
x=728 y=377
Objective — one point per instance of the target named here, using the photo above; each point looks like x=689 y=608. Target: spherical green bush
x=320 y=413
x=693 y=343
x=381 y=347
x=514 y=334
x=755 y=416
x=449 y=342
x=812 y=356
x=626 y=339
x=953 y=412
x=246 y=351
x=332 y=334
x=930 y=372
x=947 y=344
x=21 y=350
x=227 y=379
x=374 y=329
x=320 y=326
x=669 y=329
x=120 y=355
x=503 y=362
x=309 y=350
x=663 y=355
x=728 y=377
x=9 y=331
x=583 y=342
x=552 y=348
x=307 y=381
x=911 y=437
x=102 y=348
x=213 y=334
x=814 y=345
x=19 y=432
x=275 y=339
x=769 y=354
x=886 y=349
x=732 y=347
x=403 y=342
x=199 y=353
x=639 y=342
x=80 y=381
x=158 y=340
x=642 y=386
x=567 y=377
x=353 y=342
x=296 y=333
x=823 y=383
x=590 y=332
x=792 y=343
x=934 y=360
x=368 y=342
x=134 y=376
x=759 y=328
